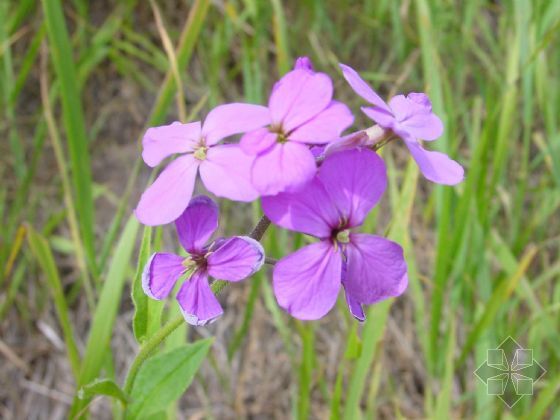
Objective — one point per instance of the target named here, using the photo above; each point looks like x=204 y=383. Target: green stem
x=154 y=341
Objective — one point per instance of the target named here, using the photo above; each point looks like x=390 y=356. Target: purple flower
x=302 y=113
x=370 y=268
x=231 y=259
x=411 y=118
x=224 y=168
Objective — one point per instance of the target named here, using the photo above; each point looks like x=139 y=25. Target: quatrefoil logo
x=510 y=372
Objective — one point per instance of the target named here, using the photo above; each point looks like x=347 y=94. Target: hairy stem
x=261 y=227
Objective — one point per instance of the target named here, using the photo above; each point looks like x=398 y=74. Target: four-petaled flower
x=224 y=168
x=411 y=118
x=301 y=113
x=231 y=259
x=370 y=268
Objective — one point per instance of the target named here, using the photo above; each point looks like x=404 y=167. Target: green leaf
x=103 y=387
x=165 y=377
x=140 y=320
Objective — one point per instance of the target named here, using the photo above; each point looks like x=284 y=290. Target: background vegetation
x=80 y=81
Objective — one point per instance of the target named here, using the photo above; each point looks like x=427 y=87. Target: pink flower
x=302 y=113
x=337 y=200
x=231 y=259
x=224 y=168
x=411 y=118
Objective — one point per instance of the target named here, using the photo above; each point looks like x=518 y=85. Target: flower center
x=281 y=136
x=343 y=236
x=189 y=263
x=193 y=263
x=200 y=153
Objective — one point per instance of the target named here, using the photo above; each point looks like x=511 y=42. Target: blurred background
x=80 y=81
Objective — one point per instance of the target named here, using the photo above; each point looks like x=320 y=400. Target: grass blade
x=106 y=310
x=42 y=251
x=74 y=123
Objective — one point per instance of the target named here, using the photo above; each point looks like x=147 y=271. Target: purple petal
x=197 y=301
x=285 y=167
x=355 y=307
x=384 y=118
x=299 y=96
x=197 y=223
x=226 y=172
x=168 y=196
x=415 y=117
x=425 y=127
x=421 y=99
x=310 y=210
x=403 y=108
x=160 y=274
x=227 y=120
x=318 y=151
x=376 y=269
x=436 y=166
x=166 y=140
x=236 y=259
x=326 y=126
x=257 y=141
x=362 y=88
x=350 y=141
x=303 y=63
x=355 y=180
x=306 y=283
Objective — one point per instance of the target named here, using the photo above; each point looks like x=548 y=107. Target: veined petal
x=310 y=210
x=284 y=167
x=166 y=140
x=160 y=274
x=306 y=283
x=436 y=166
x=229 y=119
x=236 y=259
x=355 y=180
x=258 y=141
x=169 y=195
x=326 y=126
x=198 y=304
x=197 y=223
x=226 y=172
x=298 y=97
x=376 y=269
x=362 y=88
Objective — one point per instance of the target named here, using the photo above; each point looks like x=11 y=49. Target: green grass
x=483 y=256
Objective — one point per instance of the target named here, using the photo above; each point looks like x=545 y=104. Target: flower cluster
x=311 y=178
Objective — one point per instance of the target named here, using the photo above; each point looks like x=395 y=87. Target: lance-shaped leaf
x=165 y=377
